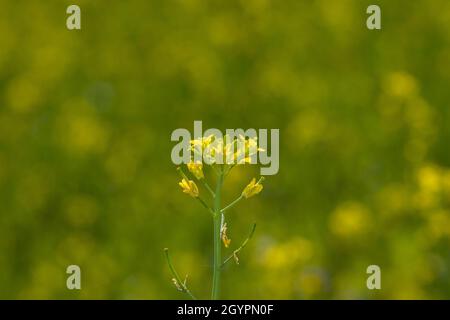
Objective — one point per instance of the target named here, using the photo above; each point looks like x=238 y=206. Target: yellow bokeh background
x=86 y=176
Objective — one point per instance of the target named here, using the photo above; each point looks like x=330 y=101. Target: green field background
x=86 y=176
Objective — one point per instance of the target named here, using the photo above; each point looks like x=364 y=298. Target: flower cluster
x=227 y=150
x=221 y=151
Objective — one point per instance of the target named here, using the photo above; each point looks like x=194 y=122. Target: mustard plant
x=213 y=150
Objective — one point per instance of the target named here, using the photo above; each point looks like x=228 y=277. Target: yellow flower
x=246 y=149
x=189 y=187
x=226 y=241
x=350 y=220
x=196 y=169
x=240 y=150
x=253 y=188
x=202 y=143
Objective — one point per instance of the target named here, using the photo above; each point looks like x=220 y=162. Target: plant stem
x=181 y=284
x=242 y=246
x=208 y=188
x=217 y=217
x=232 y=204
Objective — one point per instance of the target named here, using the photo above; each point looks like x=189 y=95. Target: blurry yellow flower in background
x=311 y=283
x=308 y=128
x=189 y=187
x=429 y=178
x=73 y=153
x=81 y=210
x=394 y=199
x=80 y=129
x=23 y=94
x=429 y=187
x=289 y=254
x=439 y=224
x=401 y=84
x=349 y=220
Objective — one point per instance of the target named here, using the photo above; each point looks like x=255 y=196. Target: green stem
x=217 y=245
x=182 y=284
x=242 y=246
x=208 y=188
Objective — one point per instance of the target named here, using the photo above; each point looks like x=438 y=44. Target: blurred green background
x=86 y=176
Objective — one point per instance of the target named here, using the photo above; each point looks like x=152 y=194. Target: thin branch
x=242 y=246
x=181 y=285
x=229 y=169
x=261 y=179
x=183 y=175
x=205 y=205
x=232 y=204
x=208 y=188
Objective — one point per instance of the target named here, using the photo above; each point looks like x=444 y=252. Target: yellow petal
x=189 y=187
x=252 y=189
x=196 y=169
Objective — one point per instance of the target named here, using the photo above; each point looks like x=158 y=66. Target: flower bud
x=189 y=187
x=196 y=169
x=253 y=188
